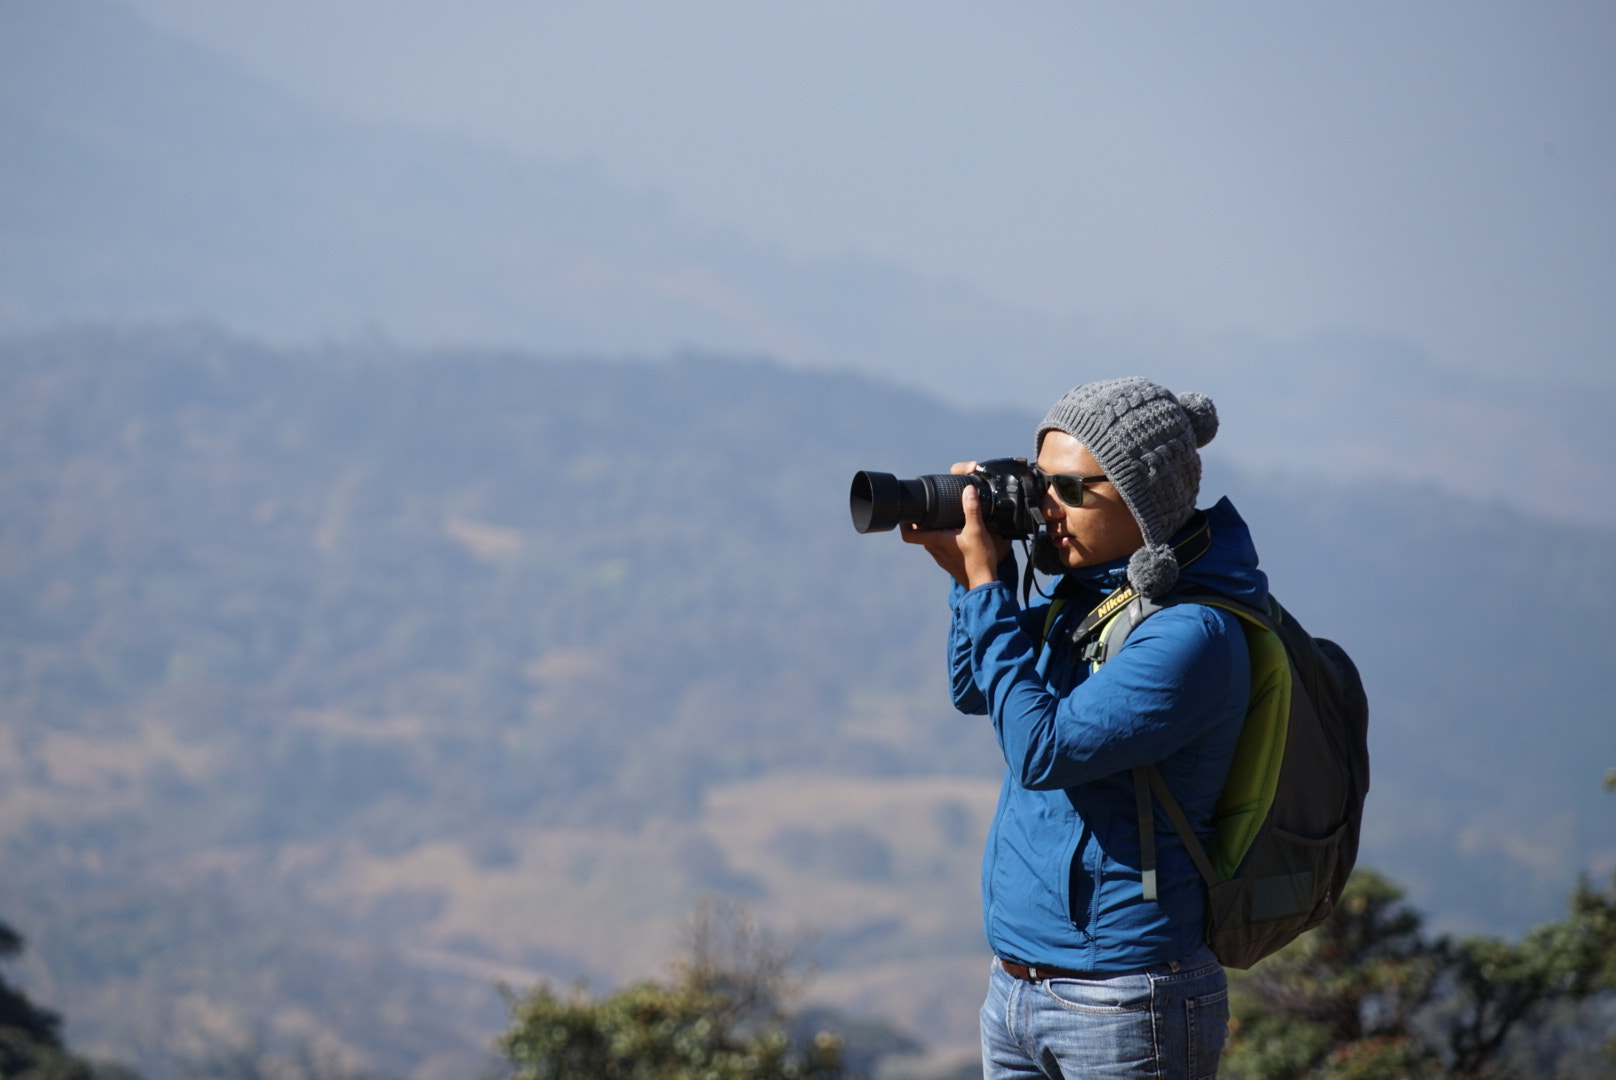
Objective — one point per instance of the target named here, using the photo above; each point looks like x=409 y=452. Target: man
x=1091 y=978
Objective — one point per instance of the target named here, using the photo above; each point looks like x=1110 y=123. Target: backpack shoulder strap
x=1147 y=780
x=1114 y=634
x=1254 y=771
x=1269 y=617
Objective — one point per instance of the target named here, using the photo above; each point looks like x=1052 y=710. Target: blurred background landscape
x=424 y=562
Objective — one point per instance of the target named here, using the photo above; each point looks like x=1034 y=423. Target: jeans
x=1166 y=1022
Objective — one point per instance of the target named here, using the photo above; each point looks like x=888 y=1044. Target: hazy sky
x=1443 y=173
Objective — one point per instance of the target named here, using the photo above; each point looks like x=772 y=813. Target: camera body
x=1008 y=490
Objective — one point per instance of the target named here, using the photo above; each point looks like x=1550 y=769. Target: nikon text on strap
x=1187 y=550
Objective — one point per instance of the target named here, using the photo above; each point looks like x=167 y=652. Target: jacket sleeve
x=968 y=698
x=1181 y=673
x=962 y=684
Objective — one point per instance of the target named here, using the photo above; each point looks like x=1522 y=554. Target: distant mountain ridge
x=143 y=178
x=379 y=673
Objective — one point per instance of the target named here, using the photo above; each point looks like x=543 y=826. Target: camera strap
x=1187 y=550
x=1029 y=577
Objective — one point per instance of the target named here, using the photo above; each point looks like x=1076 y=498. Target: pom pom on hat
x=1153 y=570
x=1203 y=417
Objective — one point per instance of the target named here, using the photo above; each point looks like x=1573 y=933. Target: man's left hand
x=970 y=554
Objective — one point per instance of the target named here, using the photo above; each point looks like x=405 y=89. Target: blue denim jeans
x=1167 y=1022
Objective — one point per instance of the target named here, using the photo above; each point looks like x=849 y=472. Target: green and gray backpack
x=1289 y=816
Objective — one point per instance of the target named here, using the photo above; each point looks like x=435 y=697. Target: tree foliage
x=720 y=1017
x=1369 y=996
x=31 y=1046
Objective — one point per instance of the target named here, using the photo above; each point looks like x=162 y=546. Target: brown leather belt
x=1039 y=974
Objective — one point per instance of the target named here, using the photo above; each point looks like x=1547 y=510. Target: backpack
x=1291 y=809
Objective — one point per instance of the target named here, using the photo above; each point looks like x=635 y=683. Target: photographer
x=1091 y=976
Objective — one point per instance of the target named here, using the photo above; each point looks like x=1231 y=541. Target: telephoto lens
x=880 y=501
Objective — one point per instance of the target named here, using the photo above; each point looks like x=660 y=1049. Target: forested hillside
x=338 y=686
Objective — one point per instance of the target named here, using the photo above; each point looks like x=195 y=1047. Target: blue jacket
x=1060 y=878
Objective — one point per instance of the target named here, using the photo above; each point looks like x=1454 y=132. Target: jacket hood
x=1230 y=564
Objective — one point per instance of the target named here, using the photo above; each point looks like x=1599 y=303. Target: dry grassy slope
x=876 y=875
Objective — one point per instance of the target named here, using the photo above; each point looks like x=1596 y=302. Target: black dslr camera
x=1008 y=489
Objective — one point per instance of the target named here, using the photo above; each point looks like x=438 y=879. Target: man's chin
x=1048 y=558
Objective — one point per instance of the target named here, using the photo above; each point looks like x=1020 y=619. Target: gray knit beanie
x=1146 y=439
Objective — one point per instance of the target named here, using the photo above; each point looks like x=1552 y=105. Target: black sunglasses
x=1068 y=487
